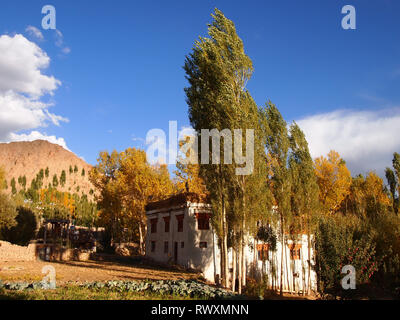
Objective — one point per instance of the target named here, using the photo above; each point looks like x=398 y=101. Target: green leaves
x=164 y=287
x=8 y=212
x=23 y=285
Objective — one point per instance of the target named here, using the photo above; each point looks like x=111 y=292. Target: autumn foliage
x=334 y=181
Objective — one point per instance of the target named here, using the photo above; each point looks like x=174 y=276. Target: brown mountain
x=27 y=159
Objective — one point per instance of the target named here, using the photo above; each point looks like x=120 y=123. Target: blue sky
x=119 y=64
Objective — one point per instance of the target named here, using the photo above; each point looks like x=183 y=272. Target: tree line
x=287 y=188
x=22 y=210
x=126 y=183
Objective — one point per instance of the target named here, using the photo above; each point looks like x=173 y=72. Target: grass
x=75 y=292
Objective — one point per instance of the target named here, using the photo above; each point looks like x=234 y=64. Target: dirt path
x=88 y=271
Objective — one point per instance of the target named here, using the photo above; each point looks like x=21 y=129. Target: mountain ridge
x=27 y=158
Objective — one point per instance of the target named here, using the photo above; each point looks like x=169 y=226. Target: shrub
x=370 y=244
x=341 y=241
x=24 y=230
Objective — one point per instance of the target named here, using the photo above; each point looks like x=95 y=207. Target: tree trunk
x=234 y=261
x=240 y=265
x=225 y=244
x=309 y=262
x=224 y=234
x=141 y=251
x=255 y=263
x=243 y=262
x=222 y=255
x=286 y=267
x=282 y=247
x=243 y=238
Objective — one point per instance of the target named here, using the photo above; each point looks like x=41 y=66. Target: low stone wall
x=55 y=253
x=15 y=253
x=61 y=254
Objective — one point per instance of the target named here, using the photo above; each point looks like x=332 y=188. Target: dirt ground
x=76 y=271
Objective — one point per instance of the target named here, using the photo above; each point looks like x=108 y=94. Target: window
x=153 y=223
x=166 y=224
x=166 y=247
x=203 y=221
x=203 y=244
x=263 y=251
x=182 y=245
x=180 y=222
x=153 y=246
x=295 y=250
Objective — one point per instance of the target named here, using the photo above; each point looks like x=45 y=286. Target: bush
x=371 y=245
x=386 y=235
x=343 y=241
x=7 y=212
x=24 y=230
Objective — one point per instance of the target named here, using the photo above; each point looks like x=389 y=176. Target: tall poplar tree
x=217 y=70
x=305 y=190
x=278 y=144
x=393 y=179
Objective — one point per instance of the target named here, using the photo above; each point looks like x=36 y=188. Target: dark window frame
x=295 y=251
x=263 y=251
x=153 y=225
x=203 y=221
x=166 y=224
x=179 y=219
x=203 y=245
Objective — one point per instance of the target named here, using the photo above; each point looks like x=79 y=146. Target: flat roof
x=178 y=200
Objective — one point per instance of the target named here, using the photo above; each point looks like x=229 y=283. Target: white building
x=179 y=232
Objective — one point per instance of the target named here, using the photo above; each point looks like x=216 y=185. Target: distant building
x=179 y=231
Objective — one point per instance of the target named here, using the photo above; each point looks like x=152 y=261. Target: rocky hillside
x=27 y=159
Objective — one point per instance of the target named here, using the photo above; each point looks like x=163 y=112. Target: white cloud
x=35 y=32
x=366 y=140
x=36 y=135
x=21 y=62
x=60 y=42
x=59 y=38
x=66 y=50
x=22 y=88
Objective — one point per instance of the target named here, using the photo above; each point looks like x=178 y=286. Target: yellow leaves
x=374 y=188
x=188 y=175
x=127 y=182
x=368 y=196
x=57 y=198
x=334 y=180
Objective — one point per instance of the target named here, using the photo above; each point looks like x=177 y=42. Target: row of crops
x=184 y=288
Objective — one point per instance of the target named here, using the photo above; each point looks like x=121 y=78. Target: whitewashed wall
x=207 y=260
x=191 y=255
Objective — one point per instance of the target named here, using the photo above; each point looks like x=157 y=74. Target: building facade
x=179 y=232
